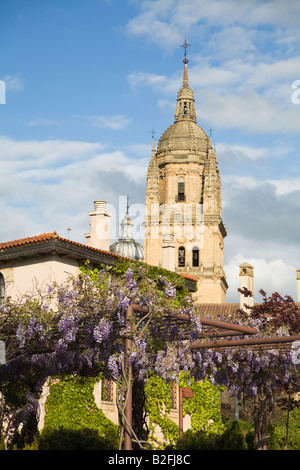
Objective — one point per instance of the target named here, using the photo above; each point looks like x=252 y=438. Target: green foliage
x=142 y=270
x=199 y=440
x=71 y=406
x=233 y=438
x=204 y=407
x=277 y=433
x=2 y=443
x=158 y=405
x=74 y=439
x=250 y=436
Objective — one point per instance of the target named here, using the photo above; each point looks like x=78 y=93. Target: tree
x=259 y=372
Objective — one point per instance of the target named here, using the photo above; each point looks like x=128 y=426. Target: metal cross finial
x=127 y=207
x=153 y=133
x=185 y=45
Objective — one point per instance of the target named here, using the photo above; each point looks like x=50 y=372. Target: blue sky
x=87 y=81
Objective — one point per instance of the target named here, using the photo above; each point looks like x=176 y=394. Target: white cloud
x=242 y=152
x=243 y=74
x=271 y=276
x=249 y=111
x=253 y=97
x=163 y=21
x=14 y=83
x=116 y=122
x=137 y=79
x=50 y=185
x=286 y=186
x=42 y=122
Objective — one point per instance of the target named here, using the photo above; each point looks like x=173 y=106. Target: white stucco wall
x=31 y=277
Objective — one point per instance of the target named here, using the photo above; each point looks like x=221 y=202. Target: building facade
x=184 y=231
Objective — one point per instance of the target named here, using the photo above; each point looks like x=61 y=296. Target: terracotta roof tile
x=28 y=241
x=189 y=277
x=206 y=310
x=44 y=237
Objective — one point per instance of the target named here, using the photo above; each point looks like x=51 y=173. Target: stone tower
x=184 y=230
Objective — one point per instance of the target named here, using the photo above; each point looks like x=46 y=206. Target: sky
x=88 y=83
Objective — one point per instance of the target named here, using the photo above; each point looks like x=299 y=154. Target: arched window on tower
x=180 y=190
x=181 y=256
x=195 y=256
x=2 y=289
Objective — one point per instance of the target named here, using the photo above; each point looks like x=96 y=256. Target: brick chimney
x=298 y=284
x=246 y=280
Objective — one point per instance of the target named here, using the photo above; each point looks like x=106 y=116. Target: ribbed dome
x=126 y=245
x=129 y=249
x=182 y=135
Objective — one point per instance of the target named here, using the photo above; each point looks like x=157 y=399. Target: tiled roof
x=220 y=310
x=189 y=277
x=44 y=237
x=28 y=241
x=207 y=310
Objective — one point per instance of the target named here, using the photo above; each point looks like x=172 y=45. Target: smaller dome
x=126 y=245
x=129 y=249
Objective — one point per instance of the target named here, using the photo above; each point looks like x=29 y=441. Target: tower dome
x=126 y=245
x=185 y=135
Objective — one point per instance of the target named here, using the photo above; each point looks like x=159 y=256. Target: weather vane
x=185 y=45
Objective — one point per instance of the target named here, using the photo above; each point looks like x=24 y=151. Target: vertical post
x=180 y=411
x=287 y=420
x=183 y=393
x=128 y=414
x=236 y=409
x=128 y=406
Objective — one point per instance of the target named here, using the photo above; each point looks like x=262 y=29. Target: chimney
x=98 y=237
x=298 y=284
x=246 y=280
x=168 y=255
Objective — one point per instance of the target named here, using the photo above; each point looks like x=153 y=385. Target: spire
x=185 y=77
x=185 y=110
x=126 y=226
x=153 y=175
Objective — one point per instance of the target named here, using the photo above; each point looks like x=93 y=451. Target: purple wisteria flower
x=103 y=330
x=131 y=283
x=170 y=290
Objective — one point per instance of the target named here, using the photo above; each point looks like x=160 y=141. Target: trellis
x=212 y=331
x=215 y=334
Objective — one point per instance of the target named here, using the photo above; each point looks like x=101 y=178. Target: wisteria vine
x=81 y=328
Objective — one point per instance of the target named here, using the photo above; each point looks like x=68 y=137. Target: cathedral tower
x=183 y=202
